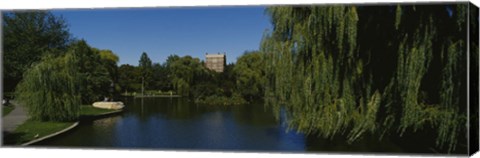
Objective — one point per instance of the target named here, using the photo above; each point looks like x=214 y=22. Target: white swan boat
x=109 y=105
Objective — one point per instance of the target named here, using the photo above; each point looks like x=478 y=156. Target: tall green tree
x=145 y=65
x=250 y=75
x=129 y=78
x=97 y=76
x=50 y=89
x=109 y=60
x=27 y=36
x=160 y=77
x=227 y=80
x=185 y=73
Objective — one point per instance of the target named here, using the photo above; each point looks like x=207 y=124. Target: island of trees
x=334 y=70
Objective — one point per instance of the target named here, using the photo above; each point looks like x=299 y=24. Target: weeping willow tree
x=314 y=71
x=335 y=73
x=421 y=42
x=50 y=89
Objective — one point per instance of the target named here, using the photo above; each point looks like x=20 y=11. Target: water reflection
x=175 y=123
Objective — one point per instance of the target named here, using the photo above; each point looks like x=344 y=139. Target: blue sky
x=160 y=32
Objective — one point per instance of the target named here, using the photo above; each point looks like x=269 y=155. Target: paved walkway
x=14 y=118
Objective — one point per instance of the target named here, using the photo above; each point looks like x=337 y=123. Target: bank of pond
x=33 y=131
x=214 y=100
x=180 y=124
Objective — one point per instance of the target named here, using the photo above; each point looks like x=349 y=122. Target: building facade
x=216 y=62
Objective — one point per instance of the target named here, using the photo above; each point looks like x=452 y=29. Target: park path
x=14 y=118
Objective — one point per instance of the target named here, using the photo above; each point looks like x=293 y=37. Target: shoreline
x=75 y=124
x=99 y=116
x=69 y=128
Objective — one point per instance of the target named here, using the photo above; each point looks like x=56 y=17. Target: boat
x=109 y=105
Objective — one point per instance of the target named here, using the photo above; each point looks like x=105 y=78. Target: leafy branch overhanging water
x=354 y=70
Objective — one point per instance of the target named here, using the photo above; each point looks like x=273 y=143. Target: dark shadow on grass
x=12 y=138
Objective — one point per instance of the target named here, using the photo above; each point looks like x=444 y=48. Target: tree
x=129 y=78
x=334 y=73
x=27 y=37
x=145 y=65
x=227 y=80
x=144 y=61
x=50 y=89
x=250 y=75
x=160 y=77
x=185 y=73
x=312 y=69
x=97 y=75
x=109 y=61
x=168 y=65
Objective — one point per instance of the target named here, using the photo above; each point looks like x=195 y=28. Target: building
x=216 y=62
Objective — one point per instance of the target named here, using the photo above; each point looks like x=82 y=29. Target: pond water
x=177 y=124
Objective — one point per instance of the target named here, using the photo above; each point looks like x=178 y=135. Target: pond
x=178 y=124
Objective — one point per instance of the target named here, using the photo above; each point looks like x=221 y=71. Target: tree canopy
x=250 y=75
x=99 y=72
x=56 y=73
x=145 y=65
x=128 y=78
x=50 y=89
x=335 y=73
x=186 y=72
x=27 y=36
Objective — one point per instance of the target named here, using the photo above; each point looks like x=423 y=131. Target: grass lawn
x=88 y=110
x=6 y=110
x=31 y=130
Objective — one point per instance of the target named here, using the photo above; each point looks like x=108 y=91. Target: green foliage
x=35 y=46
x=314 y=79
x=190 y=78
x=450 y=121
x=414 y=73
x=145 y=66
x=250 y=75
x=335 y=74
x=27 y=36
x=160 y=79
x=108 y=55
x=109 y=61
x=413 y=62
x=145 y=61
x=50 y=89
x=221 y=100
x=186 y=72
x=129 y=78
x=97 y=71
x=227 y=81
